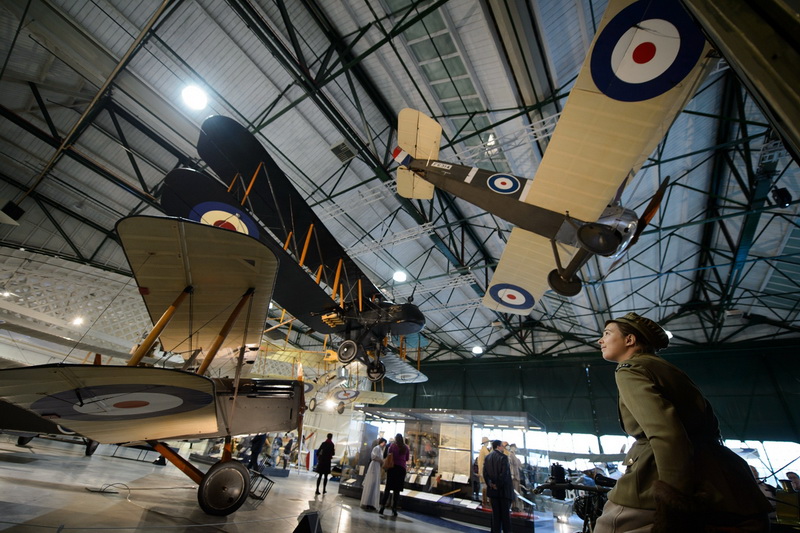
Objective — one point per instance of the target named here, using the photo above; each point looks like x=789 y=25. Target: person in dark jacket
x=256 y=445
x=324 y=456
x=497 y=475
x=679 y=476
x=287 y=449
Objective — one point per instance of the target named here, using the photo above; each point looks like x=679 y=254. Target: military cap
x=652 y=333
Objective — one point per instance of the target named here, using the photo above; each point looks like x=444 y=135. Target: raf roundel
x=503 y=183
x=645 y=50
x=512 y=296
x=344 y=395
x=120 y=402
x=222 y=215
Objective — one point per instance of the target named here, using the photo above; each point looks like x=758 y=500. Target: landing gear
x=23 y=441
x=91 y=447
x=340 y=408
x=312 y=404
x=565 y=287
x=376 y=371
x=224 y=488
x=347 y=351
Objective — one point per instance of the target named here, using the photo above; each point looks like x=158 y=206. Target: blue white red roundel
x=503 y=183
x=120 y=402
x=224 y=215
x=645 y=50
x=344 y=395
x=512 y=296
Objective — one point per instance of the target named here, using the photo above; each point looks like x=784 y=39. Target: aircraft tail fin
x=418 y=137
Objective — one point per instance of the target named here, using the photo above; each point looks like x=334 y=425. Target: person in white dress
x=371 y=490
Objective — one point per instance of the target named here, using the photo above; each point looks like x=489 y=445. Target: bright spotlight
x=399 y=276
x=194 y=97
x=477 y=350
x=77 y=321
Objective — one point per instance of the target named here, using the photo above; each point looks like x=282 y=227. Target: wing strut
x=148 y=343
x=212 y=352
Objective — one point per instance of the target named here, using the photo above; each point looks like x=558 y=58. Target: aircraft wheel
x=312 y=404
x=224 y=488
x=23 y=441
x=91 y=447
x=340 y=408
x=376 y=373
x=564 y=287
x=347 y=351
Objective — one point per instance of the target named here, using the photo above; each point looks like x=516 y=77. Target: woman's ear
x=630 y=340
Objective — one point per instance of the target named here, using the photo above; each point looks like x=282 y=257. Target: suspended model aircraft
x=260 y=201
x=646 y=61
x=205 y=288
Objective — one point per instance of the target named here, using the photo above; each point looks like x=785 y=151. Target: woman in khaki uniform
x=679 y=477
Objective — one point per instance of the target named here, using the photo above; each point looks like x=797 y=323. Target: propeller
x=648 y=214
x=650 y=211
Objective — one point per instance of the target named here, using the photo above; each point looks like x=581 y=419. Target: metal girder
x=761 y=42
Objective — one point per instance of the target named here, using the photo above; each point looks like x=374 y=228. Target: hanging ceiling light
x=399 y=276
x=194 y=97
x=782 y=197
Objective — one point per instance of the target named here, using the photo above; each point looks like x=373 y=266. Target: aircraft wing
x=240 y=160
x=197 y=196
x=644 y=64
x=646 y=61
x=370 y=397
x=400 y=371
x=166 y=255
x=113 y=404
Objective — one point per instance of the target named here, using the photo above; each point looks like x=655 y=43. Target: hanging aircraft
x=647 y=59
x=260 y=201
x=205 y=288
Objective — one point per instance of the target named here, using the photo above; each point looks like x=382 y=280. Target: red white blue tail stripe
x=401 y=156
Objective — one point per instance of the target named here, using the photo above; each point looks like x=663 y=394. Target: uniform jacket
x=497 y=475
x=482 y=459
x=678 y=442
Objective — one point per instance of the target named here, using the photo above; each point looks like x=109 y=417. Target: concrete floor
x=51 y=486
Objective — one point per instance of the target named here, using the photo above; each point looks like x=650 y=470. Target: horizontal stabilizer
x=418 y=134
x=411 y=185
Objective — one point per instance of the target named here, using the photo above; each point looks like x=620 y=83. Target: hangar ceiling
x=92 y=120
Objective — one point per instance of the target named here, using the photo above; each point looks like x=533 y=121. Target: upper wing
x=643 y=66
x=240 y=160
x=113 y=404
x=166 y=255
x=197 y=196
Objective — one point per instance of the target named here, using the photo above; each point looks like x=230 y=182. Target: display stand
x=439 y=477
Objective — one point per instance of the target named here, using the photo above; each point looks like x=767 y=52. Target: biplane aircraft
x=647 y=59
x=326 y=384
x=260 y=201
x=205 y=288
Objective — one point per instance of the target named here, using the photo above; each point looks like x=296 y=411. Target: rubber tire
x=23 y=441
x=347 y=351
x=91 y=447
x=224 y=488
x=340 y=408
x=562 y=287
x=377 y=372
x=312 y=404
